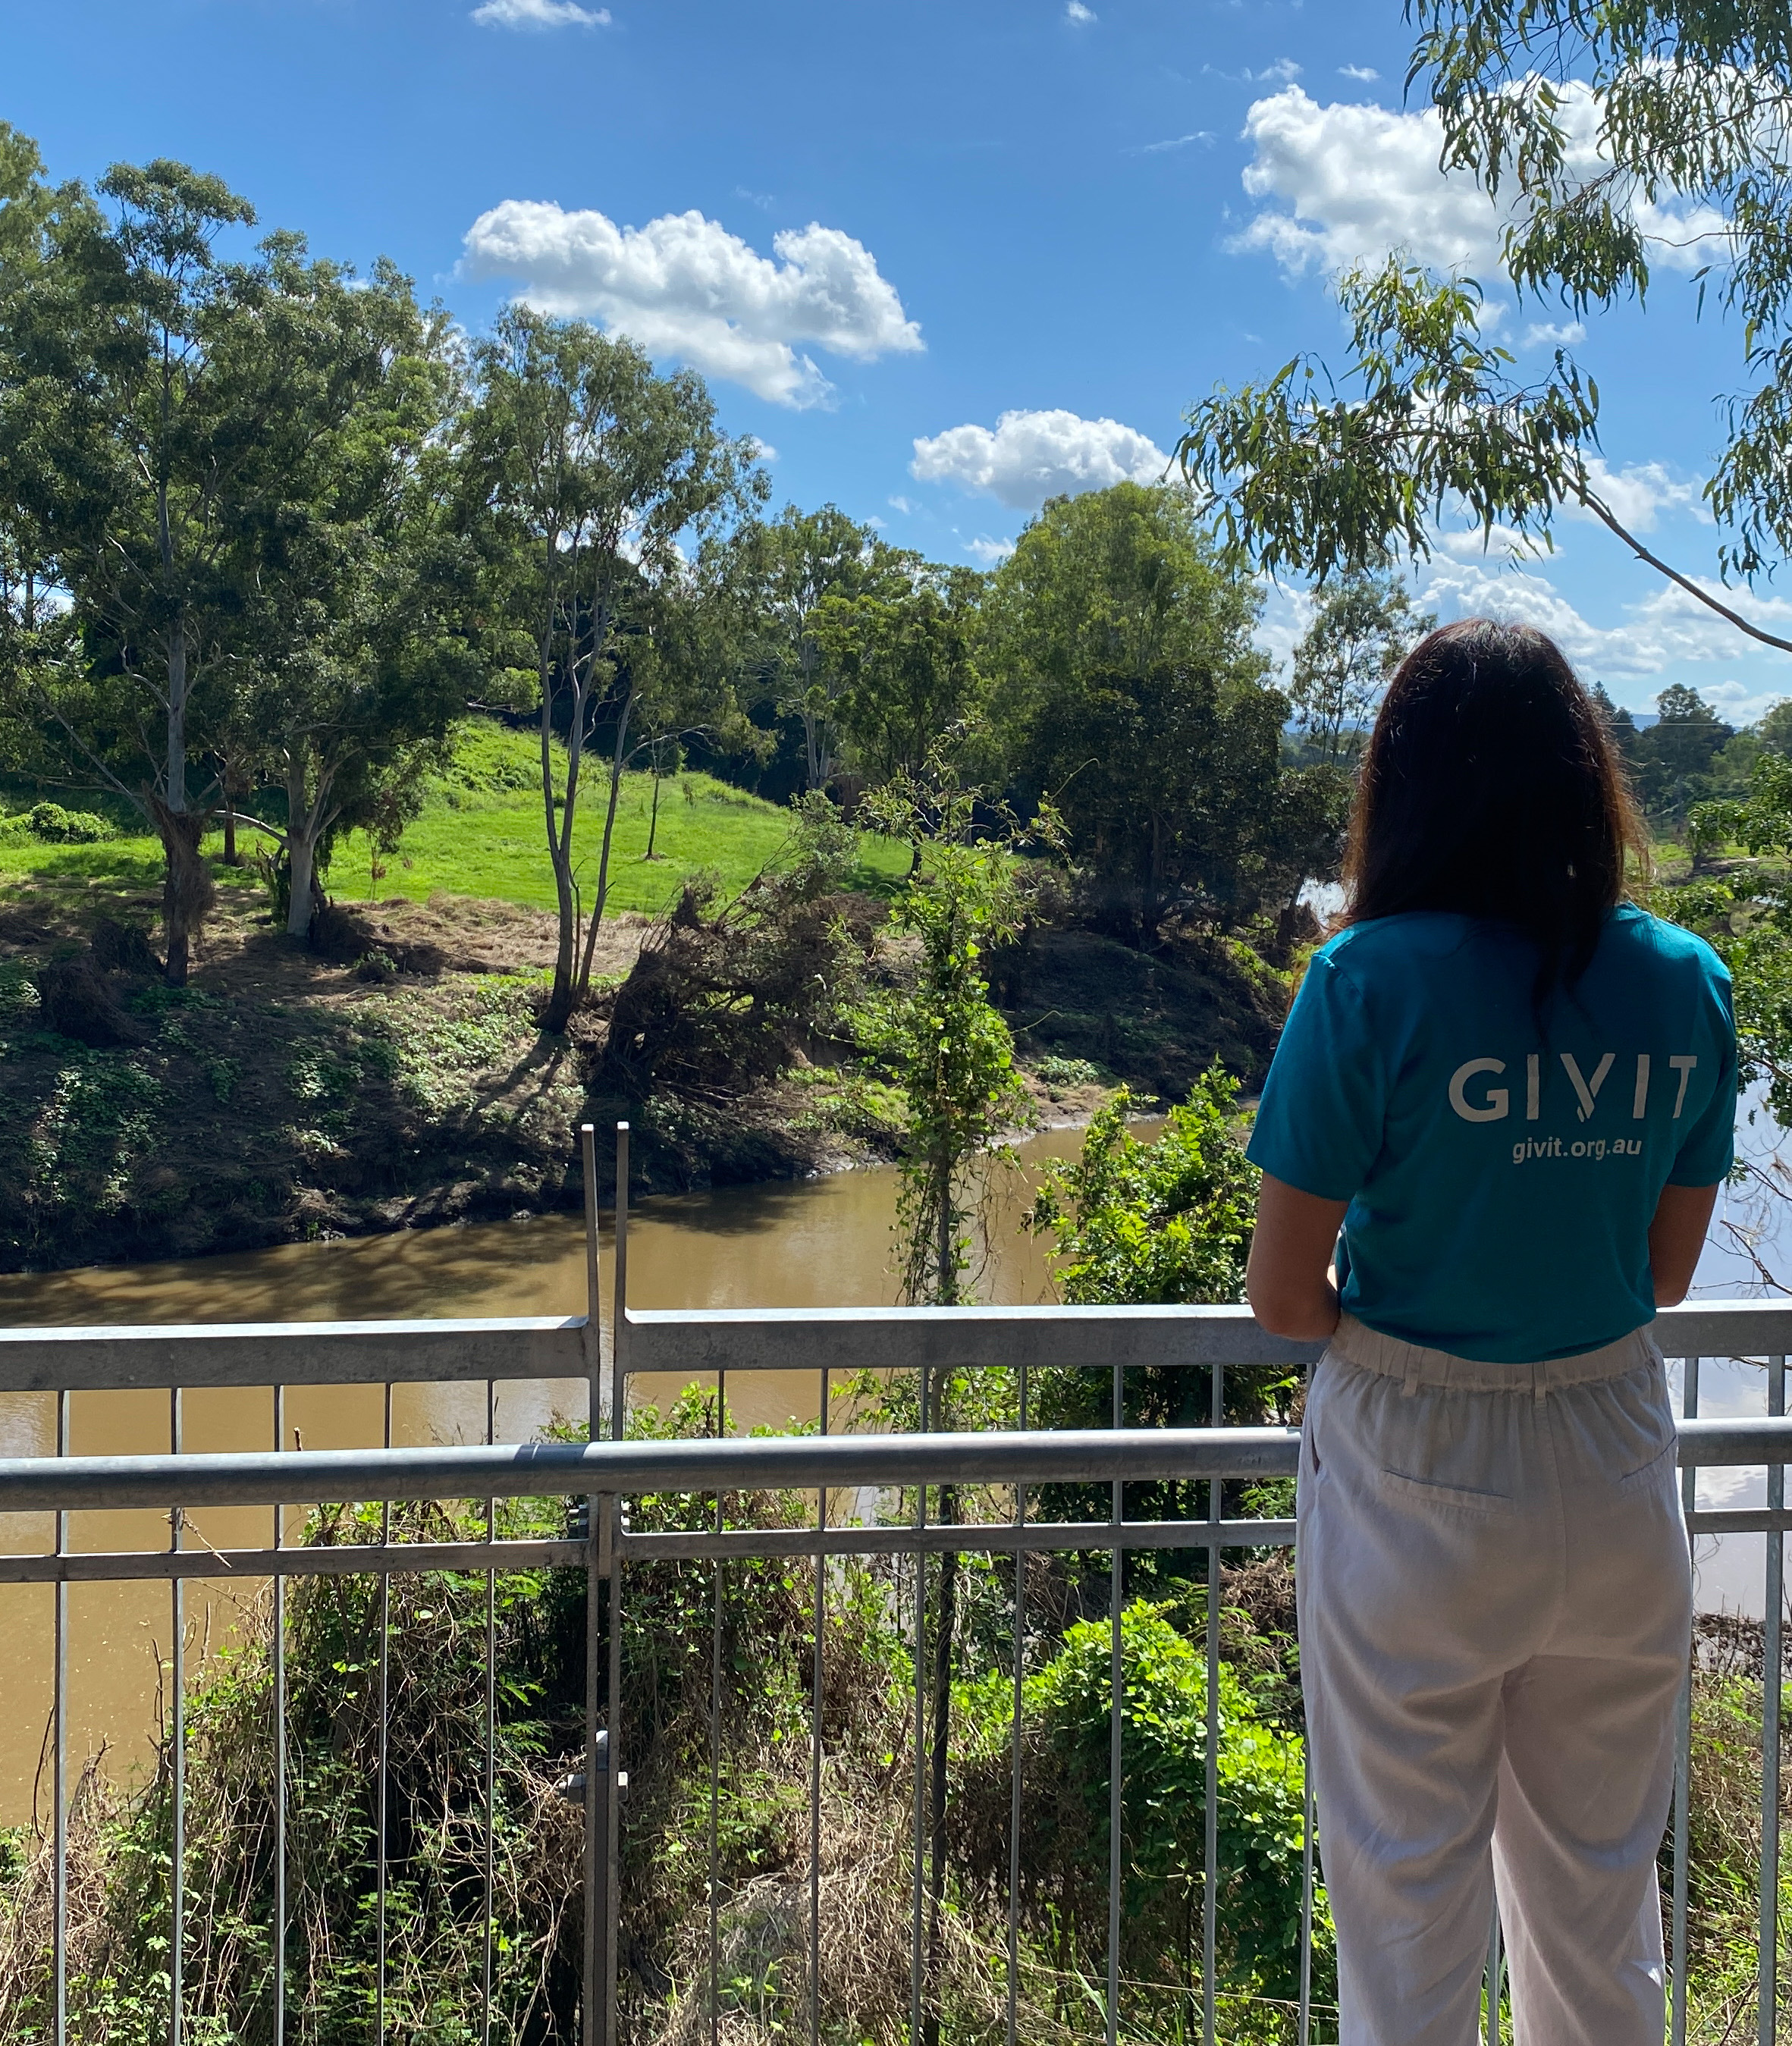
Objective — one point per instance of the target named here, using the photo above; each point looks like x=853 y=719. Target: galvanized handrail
x=607 y=1469
x=253 y=1478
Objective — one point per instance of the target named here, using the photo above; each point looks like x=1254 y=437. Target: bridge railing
x=874 y=1497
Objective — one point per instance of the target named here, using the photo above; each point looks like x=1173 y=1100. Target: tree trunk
x=301 y=853
x=188 y=891
x=652 y=821
x=621 y=754
x=305 y=824
x=559 y=850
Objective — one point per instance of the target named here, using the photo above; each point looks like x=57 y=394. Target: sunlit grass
x=482 y=833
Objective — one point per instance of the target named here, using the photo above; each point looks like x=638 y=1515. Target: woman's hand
x=1289 y=1280
x=1676 y=1237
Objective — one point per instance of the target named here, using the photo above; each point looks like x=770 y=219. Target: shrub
x=54 y=825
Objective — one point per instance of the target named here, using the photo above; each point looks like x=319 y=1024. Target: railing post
x=1683 y=1751
x=596 y=1861
x=1771 y=1685
x=1210 y=1860
x=610 y=1516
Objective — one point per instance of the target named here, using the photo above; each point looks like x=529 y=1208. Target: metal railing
x=909 y=1468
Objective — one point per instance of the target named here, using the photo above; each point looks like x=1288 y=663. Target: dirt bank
x=399 y=1079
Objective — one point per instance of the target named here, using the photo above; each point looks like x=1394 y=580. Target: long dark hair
x=1490 y=787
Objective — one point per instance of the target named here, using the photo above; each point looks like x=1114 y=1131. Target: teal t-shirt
x=1501 y=1181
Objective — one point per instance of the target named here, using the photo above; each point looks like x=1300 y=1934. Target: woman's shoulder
x=1381 y=942
x=1635 y=934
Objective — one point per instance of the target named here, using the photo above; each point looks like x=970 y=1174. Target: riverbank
x=398 y=1080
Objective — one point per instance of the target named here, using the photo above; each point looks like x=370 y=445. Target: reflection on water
x=816 y=1243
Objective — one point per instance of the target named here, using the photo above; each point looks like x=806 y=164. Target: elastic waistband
x=1415 y=1365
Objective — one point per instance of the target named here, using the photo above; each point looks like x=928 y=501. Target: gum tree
x=588 y=475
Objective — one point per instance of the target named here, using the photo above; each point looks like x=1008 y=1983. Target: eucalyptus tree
x=175 y=432
x=141 y=418
x=796 y=561
x=359 y=643
x=590 y=476
x=1608 y=134
x=906 y=651
x=1363 y=625
x=1128 y=692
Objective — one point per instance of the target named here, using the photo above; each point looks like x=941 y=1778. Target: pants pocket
x=1397 y=1486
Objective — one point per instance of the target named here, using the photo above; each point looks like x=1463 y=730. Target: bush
x=53 y=825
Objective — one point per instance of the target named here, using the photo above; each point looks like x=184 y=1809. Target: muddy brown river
x=816 y=1243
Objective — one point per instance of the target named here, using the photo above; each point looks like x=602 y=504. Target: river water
x=825 y=1242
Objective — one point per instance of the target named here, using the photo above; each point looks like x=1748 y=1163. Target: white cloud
x=763 y=450
x=1075 y=11
x=905 y=506
x=1355 y=182
x=1504 y=542
x=989 y=552
x=1363 y=74
x=683 y=286
x=1638 y=493
x=1546 y=335
x=1032 y=456
x=540 y=14
x=1175 y=142
x=1668 y=627
x=1285 y=70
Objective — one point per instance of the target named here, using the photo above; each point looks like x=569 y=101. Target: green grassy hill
x=481 y=834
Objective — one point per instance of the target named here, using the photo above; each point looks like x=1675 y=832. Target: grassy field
x=481 y=834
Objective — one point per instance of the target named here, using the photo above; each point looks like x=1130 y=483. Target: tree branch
x=1603 y=513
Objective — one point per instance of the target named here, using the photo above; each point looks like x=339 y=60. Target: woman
x=1513 y=1092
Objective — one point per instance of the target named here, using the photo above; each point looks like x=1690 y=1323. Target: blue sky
x=881 y=231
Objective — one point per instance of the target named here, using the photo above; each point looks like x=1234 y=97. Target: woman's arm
x=1676 y=1237
x=1288 y=1280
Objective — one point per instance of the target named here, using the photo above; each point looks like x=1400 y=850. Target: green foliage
x=904 y=652
x=1362 y=627
x=790 y=565
x=1747 y=916
x=1133 y=1221
x=99 y=1119
x=1064 y=1849
x=1129 y=694
x=53 y=825
x=1685 y=757
x=939 y=1036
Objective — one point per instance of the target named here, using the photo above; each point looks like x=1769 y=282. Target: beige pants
x=1495 y=1603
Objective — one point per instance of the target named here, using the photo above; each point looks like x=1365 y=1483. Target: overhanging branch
x=1603 y=513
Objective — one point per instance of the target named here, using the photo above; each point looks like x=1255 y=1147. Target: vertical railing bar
x=920 y=1733
x=715 y=1752
x=1210 y=1864
x=59 y=1788
x=382 y=1765
x=491 y=1786
x=1014 y=1745
x=612 y=1710
x=1304 y=2021
x=177 y=1856
x=591 y=1971
x=1494 y=1957
x=1772 y=1685
x=1116 y=1594
x=815 y=1750
x=280 y=1747
x=1683 y=1757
